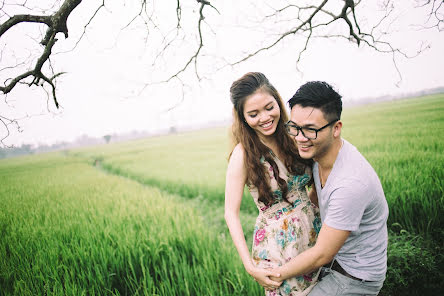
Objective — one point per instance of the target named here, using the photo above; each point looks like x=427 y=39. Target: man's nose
x=300 y=137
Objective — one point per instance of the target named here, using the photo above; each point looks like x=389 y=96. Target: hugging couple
x=322 y=223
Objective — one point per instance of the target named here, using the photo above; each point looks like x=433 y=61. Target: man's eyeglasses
x=308 y=132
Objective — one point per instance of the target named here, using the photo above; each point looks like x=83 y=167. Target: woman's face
x=262 y=113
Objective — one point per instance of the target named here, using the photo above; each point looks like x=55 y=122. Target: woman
x=266 y=159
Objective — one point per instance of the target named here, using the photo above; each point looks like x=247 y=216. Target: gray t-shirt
x=353 y=200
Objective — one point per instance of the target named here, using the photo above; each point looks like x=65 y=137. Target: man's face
x=310 y=117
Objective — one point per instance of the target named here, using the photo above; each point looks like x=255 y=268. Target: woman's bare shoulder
x=237 y=156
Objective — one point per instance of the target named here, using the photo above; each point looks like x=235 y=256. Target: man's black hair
x=319 y=95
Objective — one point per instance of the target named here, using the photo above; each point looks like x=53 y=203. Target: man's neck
x=327 y=161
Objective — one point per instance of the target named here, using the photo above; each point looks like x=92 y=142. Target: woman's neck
x=272 y=144
x=268 y=141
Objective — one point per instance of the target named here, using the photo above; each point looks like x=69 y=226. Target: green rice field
x=145 y=217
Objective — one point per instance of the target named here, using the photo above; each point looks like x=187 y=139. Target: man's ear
x=337 y=129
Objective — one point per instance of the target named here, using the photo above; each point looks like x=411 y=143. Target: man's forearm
x=304 y=263
x=328 y=244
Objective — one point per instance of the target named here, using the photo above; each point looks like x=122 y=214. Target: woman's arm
x=234 y=188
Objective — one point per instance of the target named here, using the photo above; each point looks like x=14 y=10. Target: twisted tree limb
x=56 y=23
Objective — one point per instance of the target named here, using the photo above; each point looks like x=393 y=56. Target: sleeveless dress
x=284 y=230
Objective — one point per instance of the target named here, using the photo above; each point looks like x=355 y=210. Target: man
x=353 y=239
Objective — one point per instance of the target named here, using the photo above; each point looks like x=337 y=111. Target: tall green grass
x=191 y=164
x=404 y=141
x=70 y=229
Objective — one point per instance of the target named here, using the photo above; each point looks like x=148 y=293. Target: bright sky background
x=103 y=90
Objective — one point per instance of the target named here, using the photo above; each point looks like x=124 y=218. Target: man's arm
x=328 y=244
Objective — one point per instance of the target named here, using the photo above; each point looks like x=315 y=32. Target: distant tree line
x=83 y=140
x=30 y=149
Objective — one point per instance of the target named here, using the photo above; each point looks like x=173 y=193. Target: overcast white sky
x=103 y=90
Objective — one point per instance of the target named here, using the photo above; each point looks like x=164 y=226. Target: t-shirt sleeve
x=346 y=206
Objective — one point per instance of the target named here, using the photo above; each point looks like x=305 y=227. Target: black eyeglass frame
x=299 y=129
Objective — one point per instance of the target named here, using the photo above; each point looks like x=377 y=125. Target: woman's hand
x=263 y=277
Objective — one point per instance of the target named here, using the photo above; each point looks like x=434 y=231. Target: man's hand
x=276 y=276
x=264 y=278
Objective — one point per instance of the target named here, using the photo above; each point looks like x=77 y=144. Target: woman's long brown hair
x=254 y=148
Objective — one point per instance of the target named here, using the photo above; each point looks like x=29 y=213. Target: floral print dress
x=284 y=230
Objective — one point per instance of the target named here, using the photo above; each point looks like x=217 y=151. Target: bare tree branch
x=308 y=24
x=436 y=12
x=178 y=13
x=284 y=35
x=203 y=3
x=6 y=122
x=86 y=25
x=16 y=19
x=57 y=23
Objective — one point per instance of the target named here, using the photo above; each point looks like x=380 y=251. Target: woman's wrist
x=249 y=268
